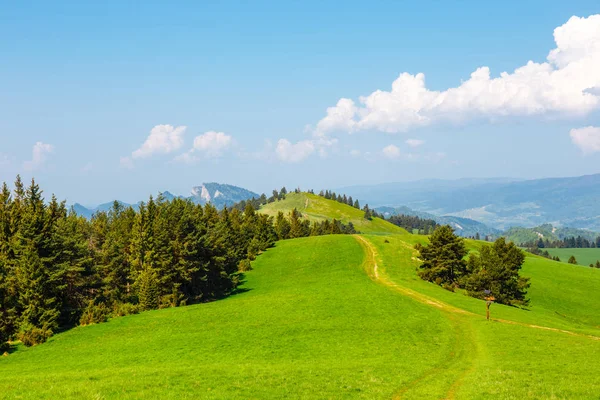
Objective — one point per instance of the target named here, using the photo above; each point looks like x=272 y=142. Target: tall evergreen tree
x=443 y=257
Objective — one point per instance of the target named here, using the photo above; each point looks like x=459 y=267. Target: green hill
x=583 y=256
x=317 y=208
x=521 y=235
x=334 y=317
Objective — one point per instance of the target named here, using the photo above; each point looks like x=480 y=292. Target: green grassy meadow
x=334 y=317
x=317 y=208
x=584 y=256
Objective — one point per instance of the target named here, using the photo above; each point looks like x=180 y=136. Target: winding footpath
x=463 y=355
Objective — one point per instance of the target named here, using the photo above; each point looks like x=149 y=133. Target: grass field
x=583 y=256
x=334 y=317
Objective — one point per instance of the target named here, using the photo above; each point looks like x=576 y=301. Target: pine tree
x=36 y=274
x=296 y=228
x=572 y=260
x=443 y=257
x=148 y=290
x=282 y=226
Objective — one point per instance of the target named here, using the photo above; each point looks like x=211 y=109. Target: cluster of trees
x=544 y=253
x=58 y=269
x=293 y=226
x=412 y=223
x=328 y=194
x=572 y=242
x=494 y=271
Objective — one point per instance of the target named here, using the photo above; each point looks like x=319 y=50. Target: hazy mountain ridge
x=462 y=226
x=218 y=194
x=499 y=203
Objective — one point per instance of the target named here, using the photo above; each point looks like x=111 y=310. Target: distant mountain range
x=500 y=203
x=462 y=226
x=217 y=194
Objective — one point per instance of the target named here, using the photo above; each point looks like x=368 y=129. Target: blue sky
x=85 y=86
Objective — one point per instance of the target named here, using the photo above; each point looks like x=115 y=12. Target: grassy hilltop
x=334 y=317
x=317 y=208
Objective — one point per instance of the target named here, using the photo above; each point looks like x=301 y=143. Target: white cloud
x=587 y=139
x=414 y=142
x=288 y=152
x=39 y=156
x=163 y=139
x=567 y=85
x=392 y=152
x=355 y=153
x=210 y=144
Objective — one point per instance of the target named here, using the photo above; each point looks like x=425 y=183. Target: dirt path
x=372 y=257
x=461 y=360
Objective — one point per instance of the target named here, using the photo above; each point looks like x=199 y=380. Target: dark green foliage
x=58 y=269
x=148 y=290
x=443 y=258
x=571 y=242
x=94 y=314
x=572 y=260
x=411 y=223
x=245 y=265
x=31 y=335
x=496 y=268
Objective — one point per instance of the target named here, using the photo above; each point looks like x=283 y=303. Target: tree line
x=572 y=242
x=58 y=269
x=412 y=223
x=492 y=272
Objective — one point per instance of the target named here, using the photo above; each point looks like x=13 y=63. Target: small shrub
x=124 y=309
x=386 y=241
x=32 y=335
x=94 y=314
x=244 y=265
x=448 y=287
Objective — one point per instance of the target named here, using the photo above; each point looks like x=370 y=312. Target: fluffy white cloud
x=39 y=156
x=294 y=152
x=414 y=142
x=163 y=139
x=210 y=144
x=587 y=139
x=392 y=152
x=568 y=84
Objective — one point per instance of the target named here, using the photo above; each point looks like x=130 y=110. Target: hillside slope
x=334 y=317
x=310 y=321
x=318 y=208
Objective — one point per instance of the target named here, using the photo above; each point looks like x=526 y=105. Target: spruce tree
x=443 y=257
x=148 y=290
